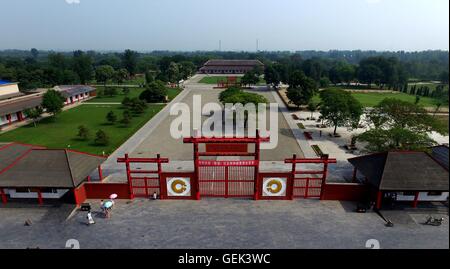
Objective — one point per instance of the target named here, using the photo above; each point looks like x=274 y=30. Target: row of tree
x=384 y=72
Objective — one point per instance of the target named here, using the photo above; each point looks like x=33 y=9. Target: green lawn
x=61 y=131
x=134 y=92
x=372 y=99
x=216 y=79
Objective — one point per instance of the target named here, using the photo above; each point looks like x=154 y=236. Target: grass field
x=61 y=132
x=134 y=92
x=372 y=99
x=216 y=79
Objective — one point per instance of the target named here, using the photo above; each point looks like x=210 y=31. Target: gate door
x=227 y=178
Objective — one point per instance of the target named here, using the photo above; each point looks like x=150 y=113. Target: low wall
x=345 y=191
x=104 y=190
x=80 y=194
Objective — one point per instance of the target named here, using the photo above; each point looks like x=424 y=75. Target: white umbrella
x=113 y=196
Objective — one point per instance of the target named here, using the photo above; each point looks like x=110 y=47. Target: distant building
x=13 y=103
x=75 y=93
x=230 y=66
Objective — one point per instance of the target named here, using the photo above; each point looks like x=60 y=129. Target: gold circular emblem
x=274 y=186
x=178 y=186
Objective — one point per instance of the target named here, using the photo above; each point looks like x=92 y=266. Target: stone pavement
x=221 y=223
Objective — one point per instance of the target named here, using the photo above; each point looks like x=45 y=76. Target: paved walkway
x=221 y=223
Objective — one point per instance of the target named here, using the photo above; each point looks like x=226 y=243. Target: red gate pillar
x=162 y=189
x=197 y=172
x=75 y=196
x=292 y=179
x=355 y=171
x=324 y=176
x=379 y=199
x=416 y=200
x=256 y=180
x=3 y=195
x=100 y=173
x=130 y=184
x=40 y=200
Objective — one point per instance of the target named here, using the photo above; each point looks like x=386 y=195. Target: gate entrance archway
x=233 y=178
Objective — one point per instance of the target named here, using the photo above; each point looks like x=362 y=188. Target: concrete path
x=221 y=223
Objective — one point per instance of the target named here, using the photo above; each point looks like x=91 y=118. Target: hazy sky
x=199 y=24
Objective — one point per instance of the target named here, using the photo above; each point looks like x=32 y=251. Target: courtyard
x=220 y=223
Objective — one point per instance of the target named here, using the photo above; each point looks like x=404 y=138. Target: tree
x=111 y=117
x=312 y=106
x=250 y=78
x=101 y=138
x=149 y=77
x=126 y=119
x=271 y=76
x=155 y=92
x=126 y=102
x=126 y=91
x=173 y=72
x=83 y=132
x=443 y=77
x=340 y=108
x=110 y=91
x=301 y=88
x=34 y=53
x=121 y=75
x=53 y=102
x=103 y=73
x=369 y=74
x=137 y=106
x=342 y=72
x=82 y=65
x=398 y=124
x=129 y=61
x=34 y=113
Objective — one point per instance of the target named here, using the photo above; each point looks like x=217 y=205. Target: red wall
x=226 y=147
x=80 y=194
x=345 y=192
x=104 y=190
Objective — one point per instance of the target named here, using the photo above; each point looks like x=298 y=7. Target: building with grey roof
x=230 y=66
x=28 y=171
x=409 y=176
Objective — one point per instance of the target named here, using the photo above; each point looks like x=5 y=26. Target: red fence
x=143 y=183
x=212 y=178
x=345 y=191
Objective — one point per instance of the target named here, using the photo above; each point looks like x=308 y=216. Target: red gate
x=227 y=178
x=146 y=182
x=309 y=183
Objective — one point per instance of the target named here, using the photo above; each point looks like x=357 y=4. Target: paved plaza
x=220 y=223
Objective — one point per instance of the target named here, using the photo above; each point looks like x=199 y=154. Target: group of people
x=105 y=206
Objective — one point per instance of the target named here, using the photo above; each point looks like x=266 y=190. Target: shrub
x=155 y=92
x=83 y=132
x=101 y=138
x=111 y=117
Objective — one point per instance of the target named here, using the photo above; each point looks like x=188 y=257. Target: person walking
x=90 y=218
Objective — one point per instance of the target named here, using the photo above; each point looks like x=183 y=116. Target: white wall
x=423 y=196
x=33 y=195
x=8 y=89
